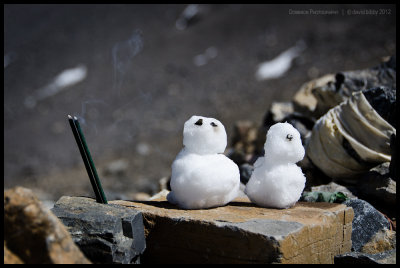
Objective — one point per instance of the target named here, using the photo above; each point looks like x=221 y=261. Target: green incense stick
x=91 y=163
x=87 y=159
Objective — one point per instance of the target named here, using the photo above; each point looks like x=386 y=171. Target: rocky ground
x=142 y=232
x=146 y=69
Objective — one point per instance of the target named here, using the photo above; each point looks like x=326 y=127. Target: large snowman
x=277 y=181
x=202 y=176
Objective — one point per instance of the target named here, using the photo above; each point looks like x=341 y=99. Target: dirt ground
x=147 y=72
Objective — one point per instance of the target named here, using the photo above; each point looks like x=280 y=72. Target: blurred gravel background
x=145 y=69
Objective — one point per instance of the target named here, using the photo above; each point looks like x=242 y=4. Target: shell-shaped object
x=317 y=96
x=350 y=139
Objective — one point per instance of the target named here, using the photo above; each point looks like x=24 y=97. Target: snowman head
x=202 y=135
x=283 y=144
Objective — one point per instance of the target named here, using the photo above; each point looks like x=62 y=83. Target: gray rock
x=245 y=172
x=117 y=168
x=345 y=83
x=244 y=142
x=387 y=257
x=334 y=187
x=378 y=186
x=366 y=224
x=106 y=233
x=383 y=100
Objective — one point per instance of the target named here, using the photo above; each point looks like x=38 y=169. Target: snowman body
x=203 y=177
x=277 y=181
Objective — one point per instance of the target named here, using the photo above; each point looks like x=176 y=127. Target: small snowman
x=202 y=176
x=277 y=181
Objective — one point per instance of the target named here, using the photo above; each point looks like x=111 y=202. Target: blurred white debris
x=143 y=148
x=117 y=168
x=163 y=193
x=278 y=66
x=163 y=183
x=65 y=79
x=9 y=58
x=70 y=77
x=187 y=15
x=211 y=52
x=202 y=59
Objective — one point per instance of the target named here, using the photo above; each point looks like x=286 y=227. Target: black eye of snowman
x=213 y=124
x=199 y=122
x=289 y=137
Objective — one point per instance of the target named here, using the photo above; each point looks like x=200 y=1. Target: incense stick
x=87 y=160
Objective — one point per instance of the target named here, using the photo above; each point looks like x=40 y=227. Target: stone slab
x=242 y=232
x=106 y=233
